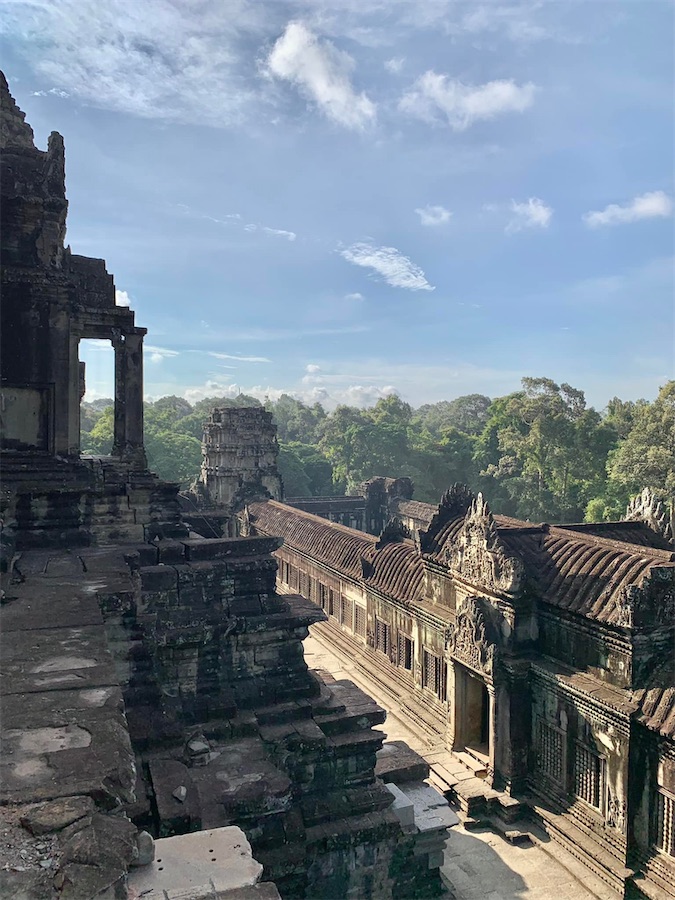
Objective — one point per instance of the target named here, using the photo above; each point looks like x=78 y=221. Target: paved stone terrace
x=479 y=864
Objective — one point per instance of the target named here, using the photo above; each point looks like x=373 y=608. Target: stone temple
x=162 y=735
x=541 y=656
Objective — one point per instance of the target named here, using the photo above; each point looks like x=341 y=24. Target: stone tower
x=240 y=452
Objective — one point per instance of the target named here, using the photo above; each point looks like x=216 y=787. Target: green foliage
x=98 y=440
x=546 y=449
x=468 y=414
x=646 y=458
x=173 y=456
x=539 y=453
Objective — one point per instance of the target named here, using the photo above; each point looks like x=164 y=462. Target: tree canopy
x=539 y=453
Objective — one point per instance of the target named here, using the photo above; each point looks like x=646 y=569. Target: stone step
x=476 y=767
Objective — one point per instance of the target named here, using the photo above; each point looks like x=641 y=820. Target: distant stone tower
x=240 y=452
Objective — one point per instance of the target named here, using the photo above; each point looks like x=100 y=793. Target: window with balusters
x=550 y=750
x=382 y=637
x=589 y=769
x=664 y=824
x=405 y=652
x=346 y=611
x=360 y=620
x=435 y=674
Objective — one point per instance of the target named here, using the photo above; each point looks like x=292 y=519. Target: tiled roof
x=396 y=569
x=656 y=702
x=336 y=545
x=580 y=572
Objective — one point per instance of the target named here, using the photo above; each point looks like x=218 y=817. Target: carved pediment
x=648 y=508
x=454 y=502
x=473 y=640
x=393 y=533
x=651 y=603
x=478 y=555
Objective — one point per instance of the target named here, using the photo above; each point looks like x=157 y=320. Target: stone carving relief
x=478 y=555
x=454 y=502
x=392 y=533
x=472 y=639
x=648 y=508
x=650 y=603
x=616 y=813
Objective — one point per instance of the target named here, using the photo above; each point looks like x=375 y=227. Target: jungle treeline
x=540 y=453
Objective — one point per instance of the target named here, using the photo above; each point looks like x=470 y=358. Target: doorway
x=473 y=712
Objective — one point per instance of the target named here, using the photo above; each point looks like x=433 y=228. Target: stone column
x=73 y=396
x=453 y=705
x=133 y=392
x=493 y=735
x=120 y=414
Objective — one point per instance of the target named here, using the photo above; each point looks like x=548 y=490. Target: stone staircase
x=53 y=502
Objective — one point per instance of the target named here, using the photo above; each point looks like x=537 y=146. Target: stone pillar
x=493 y=735
x=73 y=396
x=120 y=414
x=133 y=392
x=453 y=705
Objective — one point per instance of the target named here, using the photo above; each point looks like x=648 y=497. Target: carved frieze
x=652 y=603
x=616 y=813
x=478 y=555
x=454 y=502
x=648 y=508
x=472 y=640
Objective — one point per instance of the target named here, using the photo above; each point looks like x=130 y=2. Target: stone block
x=158 y=578
x=57 y=814
x=199 y=865
x=402 y=806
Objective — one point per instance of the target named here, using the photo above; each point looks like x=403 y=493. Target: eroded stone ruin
x=153 y=681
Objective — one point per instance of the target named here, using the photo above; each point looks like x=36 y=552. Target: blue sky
x=344 y=198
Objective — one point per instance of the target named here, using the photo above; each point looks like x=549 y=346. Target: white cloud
x=157 y=354
x=435 y=96
x=321 y=72
x=250 y=359
x=532 y=214
x=396 y=269
x=355 y=295
x=312 y=369
x=653 y=205
x=55 y=92
x=122 y=298
x=289 y=235
x=159 y=59
x=394 y=65
x=433 y=215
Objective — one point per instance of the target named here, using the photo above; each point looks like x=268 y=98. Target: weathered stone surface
x=97 y=857
x=57 y=814
x=198 y=865
x=146 y=849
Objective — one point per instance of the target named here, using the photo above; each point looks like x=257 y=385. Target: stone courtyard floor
x=479 y=864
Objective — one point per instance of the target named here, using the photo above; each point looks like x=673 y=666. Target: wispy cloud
x=312 y=368
x=122 y=298
x=248 y=359
x=435 y=98
x=355 y=295
x=286 y=334
x=321 y=73
x=433 y=215
x=533 y=213
x=395 y=268
x=173 y=61
x=158 y=354
x=394 y=65
x=653 y=205
x=54 y=92
x=279 y=232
